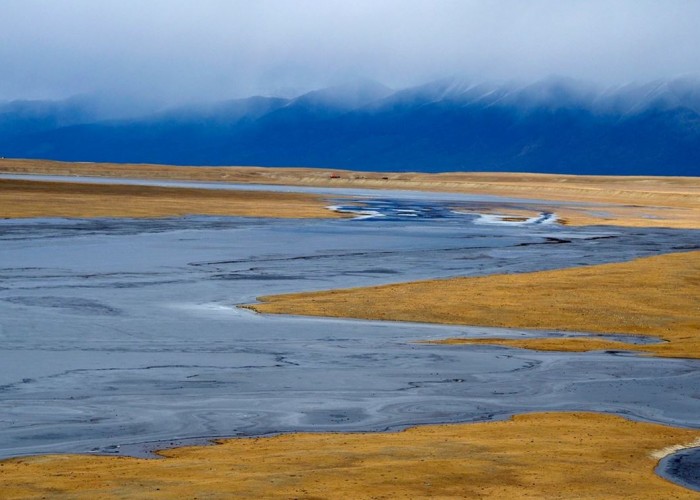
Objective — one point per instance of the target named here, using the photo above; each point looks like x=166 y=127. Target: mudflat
x=64 y=199
x=620 y=200
x=658 y=296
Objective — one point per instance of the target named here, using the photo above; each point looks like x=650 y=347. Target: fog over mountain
x=552 y=125
x=265 y=82
x=170 y=52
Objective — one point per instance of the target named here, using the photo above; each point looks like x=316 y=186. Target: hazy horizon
x=107 y=105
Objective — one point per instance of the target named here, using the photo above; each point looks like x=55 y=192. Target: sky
x=175 y=51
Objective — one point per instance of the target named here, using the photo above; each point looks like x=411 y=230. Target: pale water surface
x=117 y=331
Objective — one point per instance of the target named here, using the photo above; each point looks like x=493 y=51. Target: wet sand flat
x=546 y=455
x=20 y=199
x=657 y=296
x=123 y=331
x=624 y=200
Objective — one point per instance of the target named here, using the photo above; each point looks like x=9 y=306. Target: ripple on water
x=120 y=331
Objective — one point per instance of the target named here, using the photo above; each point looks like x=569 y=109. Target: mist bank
x=554 y=125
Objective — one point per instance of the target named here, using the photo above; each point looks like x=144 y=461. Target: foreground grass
x=621 y=200
x=547 y=455
x=658 y=296
x=64 y=199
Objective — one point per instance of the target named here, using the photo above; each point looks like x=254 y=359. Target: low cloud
x=175 y=51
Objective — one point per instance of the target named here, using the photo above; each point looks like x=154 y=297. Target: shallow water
x=118 y=331
x=682 y=467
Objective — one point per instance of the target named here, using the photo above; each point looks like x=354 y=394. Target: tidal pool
x=115 y=332
x=682 y=467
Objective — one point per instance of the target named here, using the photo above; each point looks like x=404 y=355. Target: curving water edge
x=118 y=331
x=682 y=468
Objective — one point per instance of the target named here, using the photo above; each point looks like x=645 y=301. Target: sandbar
x=657 y=296
x=20 y=199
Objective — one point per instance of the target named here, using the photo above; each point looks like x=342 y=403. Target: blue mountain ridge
x=553 y=125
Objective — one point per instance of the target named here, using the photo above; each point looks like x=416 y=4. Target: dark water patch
x=74 y=305
x=682 y=468
x=254 y=277
x=606 y=237
x=272 y=258
x=686 y=247
x=373 y=271
x=547 y=241
x=333 y=416
x=616 y=352
x=426 y=383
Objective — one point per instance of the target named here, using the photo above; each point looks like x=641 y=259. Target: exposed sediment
x=657 y=296
x=64 y=199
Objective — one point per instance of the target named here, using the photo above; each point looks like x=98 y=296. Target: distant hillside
x=554 y=125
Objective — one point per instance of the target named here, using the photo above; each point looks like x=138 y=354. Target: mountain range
x=553 y=125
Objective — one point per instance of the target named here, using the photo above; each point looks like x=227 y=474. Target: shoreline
x=579 y=454
x=625 y=200
x=29 y=199
x=597 y=299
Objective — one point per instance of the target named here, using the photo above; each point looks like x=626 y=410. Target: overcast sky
x=176 y=50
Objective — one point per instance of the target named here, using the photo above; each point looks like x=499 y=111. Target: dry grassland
x=658 y=296
x=62 y=199
x=623 y=200
x=547 y=455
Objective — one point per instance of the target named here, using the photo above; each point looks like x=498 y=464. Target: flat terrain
x=125 y=331
x=624 y=201
x=547 y=455
x=657 y=296
x=151 y=313
x=62 y=199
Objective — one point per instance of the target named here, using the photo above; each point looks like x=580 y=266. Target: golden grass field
x=657 y=296
x=545 y=455
x=63 y=199
x=624 y=200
